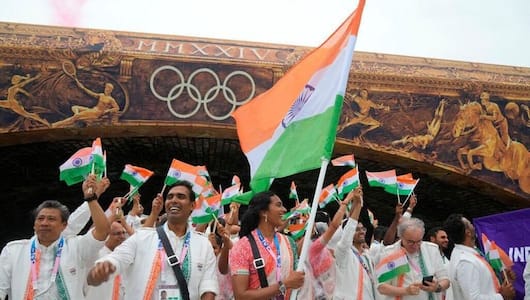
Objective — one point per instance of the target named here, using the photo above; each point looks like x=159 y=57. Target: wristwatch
x=438 y=288
x=282 y=288
x=91 y=198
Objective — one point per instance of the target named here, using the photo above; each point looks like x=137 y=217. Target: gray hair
x=54 y=204
x=410 y=223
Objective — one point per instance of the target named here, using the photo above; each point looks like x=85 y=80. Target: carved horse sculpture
x=484 y=141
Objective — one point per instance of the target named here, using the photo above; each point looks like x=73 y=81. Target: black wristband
x=91 y=198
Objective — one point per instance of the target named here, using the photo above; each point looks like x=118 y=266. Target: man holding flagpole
x=471 y=275
x=410 y=268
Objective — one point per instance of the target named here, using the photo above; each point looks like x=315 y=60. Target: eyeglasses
x=411 y=242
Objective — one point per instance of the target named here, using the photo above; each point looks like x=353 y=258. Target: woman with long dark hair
x=278 y=253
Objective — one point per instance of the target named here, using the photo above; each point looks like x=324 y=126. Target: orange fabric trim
x=360 y=283
x=30 y=292
x=492 y=273
x=116 y=288
x=153 y=276
x=400 y=282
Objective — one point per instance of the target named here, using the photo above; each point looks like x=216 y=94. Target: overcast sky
x=487 y=31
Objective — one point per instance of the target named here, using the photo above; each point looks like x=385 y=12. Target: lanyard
x=363 y=263
x=367 y=269
x=183 y=251
x=421 y=269
x=269 y=249
x=35 y=255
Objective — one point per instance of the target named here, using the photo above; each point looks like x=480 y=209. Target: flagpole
x=105 y=170
x=311 y=221
x=163 y=189
x=411 y=192
x=134 y=190
x=397 y=193
x=408 y=196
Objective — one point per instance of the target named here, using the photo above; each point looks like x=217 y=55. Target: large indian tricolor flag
x=292 y=126
x=77 y=167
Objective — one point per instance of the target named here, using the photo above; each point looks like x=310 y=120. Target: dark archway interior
x=30 y=174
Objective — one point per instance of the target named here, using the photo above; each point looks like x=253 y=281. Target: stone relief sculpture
x=525 y=115
x=493 y=113
x=362 y=116
x=106 y=107
x=433 y=128
x=484 y=142
x=11 y=103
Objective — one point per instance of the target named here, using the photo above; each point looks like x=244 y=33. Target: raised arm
x=156 y=208
x=92 y=190
x=81 y=86
x=222 y=262
x=390 y=235
x=337 y=220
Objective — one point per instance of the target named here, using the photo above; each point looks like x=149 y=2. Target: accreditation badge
x=169 y=294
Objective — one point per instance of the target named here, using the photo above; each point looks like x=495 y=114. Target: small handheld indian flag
x=293 y=194
x=181 y=171
x=230 y=193
x=302 y=209
x=382 y=179
x=202 y=171
x=495 y=255
x=405 y=184
x=135 y=176
x=98 y=161
x=392 y=266
x=328 y=195
x=77 y=167
x=348 y=182
x=236 y=180
x=297 y=230
x=206 y=209
x=345 y=160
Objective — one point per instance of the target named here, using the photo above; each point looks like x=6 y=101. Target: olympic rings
x=195 y=94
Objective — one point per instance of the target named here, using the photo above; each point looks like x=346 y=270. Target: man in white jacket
x=143 y=262
x=51 y=265
x=472 y=277
x=355 y=270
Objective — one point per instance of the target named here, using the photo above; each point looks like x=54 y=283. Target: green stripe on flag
x=394 y=273
x=307 y=152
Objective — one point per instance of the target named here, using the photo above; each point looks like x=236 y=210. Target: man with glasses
x=471 y=275
x=113 y=288
x=423 y=261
